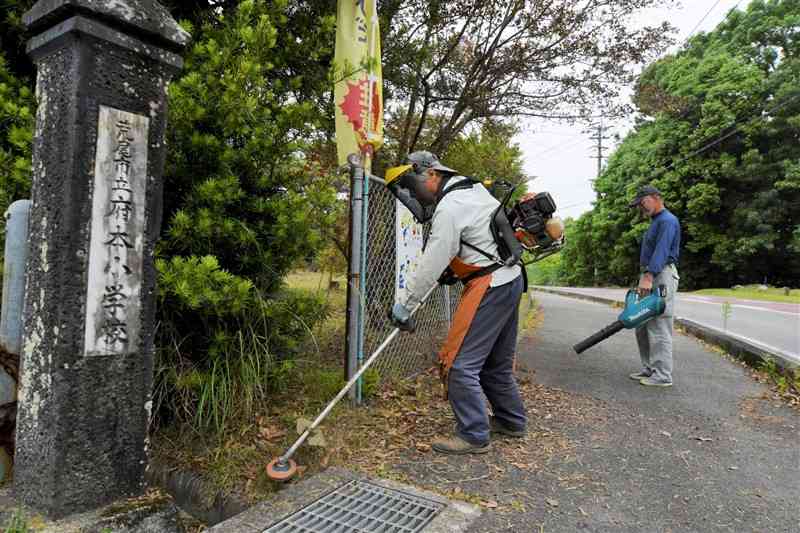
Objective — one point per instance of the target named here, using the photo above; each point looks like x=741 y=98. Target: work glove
x=401 y=317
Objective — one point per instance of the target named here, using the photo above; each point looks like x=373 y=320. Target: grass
x=751 y=292
x=316 y=281
x=327 y=338
x=233 y=459
x=18 y=523
x=785 y=381
x=529 y=316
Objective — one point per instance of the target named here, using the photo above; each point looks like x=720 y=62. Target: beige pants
x=655 y=336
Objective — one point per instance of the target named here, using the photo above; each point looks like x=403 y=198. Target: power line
x=565 y=207
x=599 y=137
x=704 y=18
x=685 y=41
x=572 y=140
x=736 y=126
x=764 y=114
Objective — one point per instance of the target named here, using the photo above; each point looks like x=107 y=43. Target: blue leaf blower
x=637 y=311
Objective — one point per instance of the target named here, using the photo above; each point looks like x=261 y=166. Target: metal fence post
x=354 y=285
x=362 y=312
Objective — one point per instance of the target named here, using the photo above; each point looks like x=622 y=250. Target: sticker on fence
x=409 y=249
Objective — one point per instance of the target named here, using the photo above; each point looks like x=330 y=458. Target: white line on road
x=702 y=301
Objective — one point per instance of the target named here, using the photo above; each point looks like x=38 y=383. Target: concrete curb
x=741 y=348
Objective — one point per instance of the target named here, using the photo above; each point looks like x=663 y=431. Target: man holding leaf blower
x=658 y=260
x=478 y=356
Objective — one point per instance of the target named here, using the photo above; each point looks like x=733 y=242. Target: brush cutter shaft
x=350 y=384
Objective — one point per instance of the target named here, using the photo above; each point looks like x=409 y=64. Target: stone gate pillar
x=87 y=356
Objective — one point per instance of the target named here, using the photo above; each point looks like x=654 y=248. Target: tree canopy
x=719 y=136
x=450 y=64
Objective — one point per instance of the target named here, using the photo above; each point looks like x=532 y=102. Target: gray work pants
x=655 y=337
x=484 y=365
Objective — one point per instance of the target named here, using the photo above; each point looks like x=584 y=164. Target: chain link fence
x=410 y=353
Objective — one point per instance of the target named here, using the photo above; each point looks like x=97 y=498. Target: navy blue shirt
x=661 y=243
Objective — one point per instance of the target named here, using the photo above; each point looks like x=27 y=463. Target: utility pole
x=599 y=138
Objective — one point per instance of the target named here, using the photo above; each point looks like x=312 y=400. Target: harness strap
x=483 y=252
x=463 y=185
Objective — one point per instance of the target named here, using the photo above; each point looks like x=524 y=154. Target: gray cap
x=643 y=191
x=422 y=160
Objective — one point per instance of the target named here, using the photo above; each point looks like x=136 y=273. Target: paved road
x=605 y=454
x=772 y=324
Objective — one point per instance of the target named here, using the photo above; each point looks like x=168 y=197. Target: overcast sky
x=560 y=156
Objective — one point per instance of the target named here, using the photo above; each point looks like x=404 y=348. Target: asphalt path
x=716 y=452
x=659 y=475
x=771 y=324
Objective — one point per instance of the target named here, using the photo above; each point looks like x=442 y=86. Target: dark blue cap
x=643 y=191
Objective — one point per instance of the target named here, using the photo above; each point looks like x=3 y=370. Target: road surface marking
x=702 y=301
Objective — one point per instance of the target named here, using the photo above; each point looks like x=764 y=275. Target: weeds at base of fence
x=233 y=459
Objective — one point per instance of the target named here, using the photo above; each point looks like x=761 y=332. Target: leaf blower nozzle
x=601 y=335
x=636 y=312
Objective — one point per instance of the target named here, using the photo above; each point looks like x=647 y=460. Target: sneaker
x=655 y=382
x=643 y=373
x=496 y=426
x=455 y=445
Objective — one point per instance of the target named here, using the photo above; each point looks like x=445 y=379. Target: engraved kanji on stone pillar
x=87 y=347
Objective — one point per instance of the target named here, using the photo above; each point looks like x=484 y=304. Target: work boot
x=640 y=375
x=655 y=382
x=496 y=426
x=455 y=445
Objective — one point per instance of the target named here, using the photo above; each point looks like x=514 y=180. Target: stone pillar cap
x=145 y=17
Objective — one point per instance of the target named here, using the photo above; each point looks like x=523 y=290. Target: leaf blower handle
x=601 y=335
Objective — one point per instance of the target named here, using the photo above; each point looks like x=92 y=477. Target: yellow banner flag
x=358 y=91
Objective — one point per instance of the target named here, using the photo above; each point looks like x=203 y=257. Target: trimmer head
x=281 y=470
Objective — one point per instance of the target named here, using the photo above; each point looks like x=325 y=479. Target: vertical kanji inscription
x=117 y=236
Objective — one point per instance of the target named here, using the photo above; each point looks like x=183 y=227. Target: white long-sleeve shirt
x=464 y=214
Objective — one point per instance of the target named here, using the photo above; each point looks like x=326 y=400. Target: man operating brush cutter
x=475 y=240
x=472 y=240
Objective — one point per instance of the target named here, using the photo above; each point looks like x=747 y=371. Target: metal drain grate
x=361 y=506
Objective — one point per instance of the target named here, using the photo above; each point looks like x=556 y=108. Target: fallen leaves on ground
x=390 y=437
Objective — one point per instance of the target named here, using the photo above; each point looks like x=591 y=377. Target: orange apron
x=462 y=319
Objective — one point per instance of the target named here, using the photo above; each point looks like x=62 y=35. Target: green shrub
x=224 y=346
x=244 y=201
x=17 y=108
